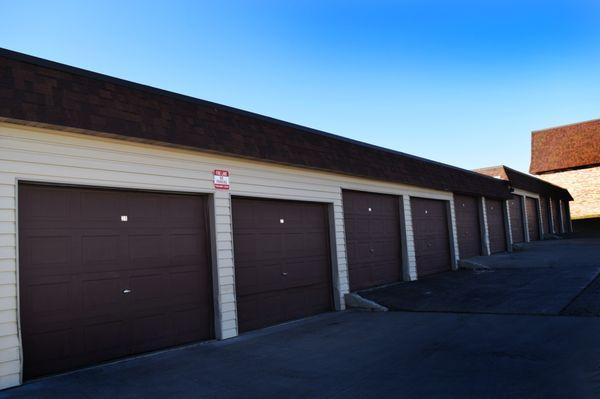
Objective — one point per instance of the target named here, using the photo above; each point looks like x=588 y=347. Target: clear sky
x=460 y=82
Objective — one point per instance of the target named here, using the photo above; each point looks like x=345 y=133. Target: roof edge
x=559 y=170
x=565 y=125
x=22 y=57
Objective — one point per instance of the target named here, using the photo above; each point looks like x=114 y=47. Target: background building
x=569 y=156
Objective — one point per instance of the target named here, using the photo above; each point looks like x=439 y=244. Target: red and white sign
x=221 y=179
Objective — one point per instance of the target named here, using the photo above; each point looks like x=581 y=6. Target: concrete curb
x=356 y=301
x=472 y=265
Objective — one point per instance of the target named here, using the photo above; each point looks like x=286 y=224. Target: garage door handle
x=126 y=291
x=284 y=274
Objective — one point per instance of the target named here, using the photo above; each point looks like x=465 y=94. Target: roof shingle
x=45 y=93
x=565 y=147
x=526 y=182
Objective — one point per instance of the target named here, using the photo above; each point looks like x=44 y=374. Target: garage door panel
x=101 y=337
x=497 y=232
x=187 y=249
x=96 y=257
x=101 y=205
x=261 y=310
x=306 y=273
x=151 y=331
x=56 y=207
x=302 y=302
x=467 y=226
x=383 y=271
x=147 y=247
x=431 y=236
x=515 y=206
x=48 y=251
x=144 y=209
x=545 y=215
x=532 y=218
x=258 y=278
x=148 y=287
x=273 y=259
x=100 y=249
x=187 y=323
x=301 y=245
x=268 y=246
x=372 y=239
x=47 y=296
x=101 y=295
x=189 y=282
x=555 y=216
x=357 y=226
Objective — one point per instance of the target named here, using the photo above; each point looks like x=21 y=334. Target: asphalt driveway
x=543 y=278
x=361 y=355
x=464 y=351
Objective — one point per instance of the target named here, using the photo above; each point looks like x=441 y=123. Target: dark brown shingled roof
x=565 y=147
x=45 y=93
x=526 y=182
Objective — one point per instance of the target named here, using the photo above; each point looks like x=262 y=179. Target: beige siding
x=34 y=154
x=410 y=240
x=507 y=225
x=486 y=231
x=454 y=234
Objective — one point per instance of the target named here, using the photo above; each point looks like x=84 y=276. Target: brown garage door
x=556 y=216
x=532 y=219
x=282 y=261
x=94 y=287
x=372 y=239
x=432 y=242
x=516 y=219
x=545 y=215
x=467 y=225
x=495 y=219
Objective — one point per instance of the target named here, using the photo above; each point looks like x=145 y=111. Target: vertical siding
x=343 y=283
x=541 y=218
x=410 y=240
x=486 y=229
x=225 y=292
x=10 y=359
x=551 y=217
x=525 y=220
x=560 y=216
x=508 y=225
x=454 y=235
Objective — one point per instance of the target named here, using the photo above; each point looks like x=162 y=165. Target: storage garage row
x=536 y=208
x=134 y=219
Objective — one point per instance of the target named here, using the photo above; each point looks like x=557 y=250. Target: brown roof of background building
x=39 y=92
x=526 y=182
x=566 y=147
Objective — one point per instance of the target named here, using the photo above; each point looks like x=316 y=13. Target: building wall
x=34 y=154
x=584 y=186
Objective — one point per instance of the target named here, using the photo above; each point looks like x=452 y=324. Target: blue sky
x=460 y=82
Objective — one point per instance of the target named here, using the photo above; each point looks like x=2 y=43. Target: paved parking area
x=544 y=278
x=529 y=291
x=472 y=346
x=361 y=355
x=566 y=253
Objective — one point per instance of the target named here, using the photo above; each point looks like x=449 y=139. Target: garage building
x=134 y=219
x=536 y=208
